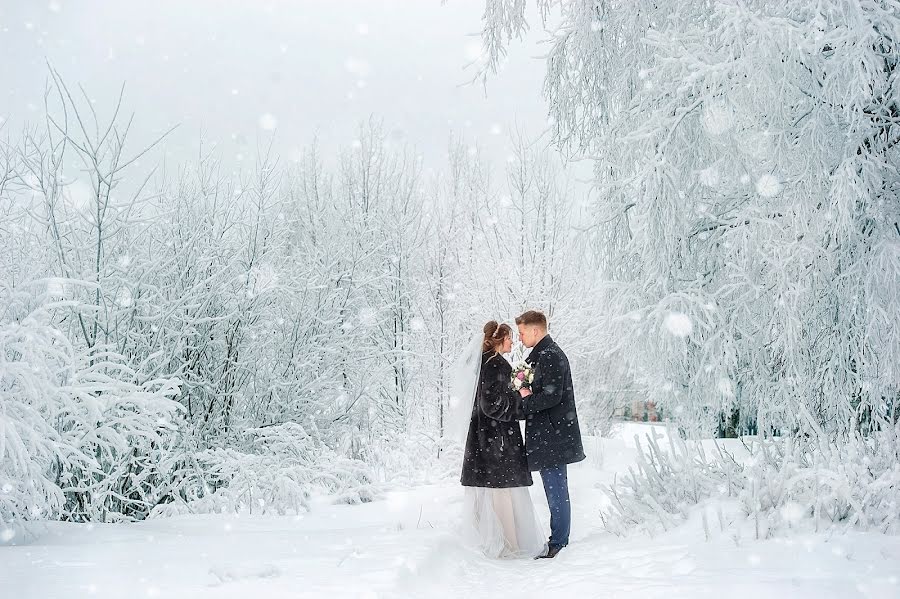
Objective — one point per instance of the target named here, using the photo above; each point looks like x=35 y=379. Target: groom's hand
x=524 y=391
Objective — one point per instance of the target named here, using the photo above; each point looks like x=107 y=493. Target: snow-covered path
x=404 y=546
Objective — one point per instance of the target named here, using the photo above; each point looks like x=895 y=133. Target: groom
x=552 y=436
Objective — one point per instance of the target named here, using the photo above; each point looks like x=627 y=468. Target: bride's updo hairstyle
x=494 y=335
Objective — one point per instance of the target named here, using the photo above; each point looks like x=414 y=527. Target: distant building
x=638 y=411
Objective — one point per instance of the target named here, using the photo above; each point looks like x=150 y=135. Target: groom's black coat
x=495 y=452
x=552 y=434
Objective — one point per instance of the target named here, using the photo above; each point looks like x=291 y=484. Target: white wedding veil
x=463 y=379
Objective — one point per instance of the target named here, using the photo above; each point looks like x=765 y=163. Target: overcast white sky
x=235 y=68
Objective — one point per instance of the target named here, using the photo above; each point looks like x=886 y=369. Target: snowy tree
x=747 y=216
x=211 y=317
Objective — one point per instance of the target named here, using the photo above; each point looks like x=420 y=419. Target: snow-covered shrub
x=855 y=483
x=415 y=459
x=80 y=437
x=282 y=468
x=659 y=491
x=118 y=435
x=778 y=483
x=35 y=360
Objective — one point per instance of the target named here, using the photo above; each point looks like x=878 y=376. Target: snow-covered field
x=404 y=545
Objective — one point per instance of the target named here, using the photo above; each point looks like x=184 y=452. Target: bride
x=498 y=515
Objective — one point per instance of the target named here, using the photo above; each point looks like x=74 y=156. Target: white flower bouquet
x=523 y=376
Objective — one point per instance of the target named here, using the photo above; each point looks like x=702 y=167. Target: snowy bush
x=35 y=361
x=81 y=437
x=416 y=459
x=853 y=483
x=119 y=437
x=779 y=483
x=281 y=470
x=666 y=482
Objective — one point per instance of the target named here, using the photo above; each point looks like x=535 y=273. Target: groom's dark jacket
x=552 y=434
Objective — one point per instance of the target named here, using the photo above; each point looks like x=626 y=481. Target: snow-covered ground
x=404 y=545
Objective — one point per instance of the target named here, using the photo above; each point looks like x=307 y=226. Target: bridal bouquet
x=523 y=376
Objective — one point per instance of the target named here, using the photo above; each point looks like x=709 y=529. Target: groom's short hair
x=532 y=318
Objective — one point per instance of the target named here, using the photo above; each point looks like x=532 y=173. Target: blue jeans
x=556 y=487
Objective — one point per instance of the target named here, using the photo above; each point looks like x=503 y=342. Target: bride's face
x=507 y=345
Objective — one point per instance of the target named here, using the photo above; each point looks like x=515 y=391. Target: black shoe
x=550 y=552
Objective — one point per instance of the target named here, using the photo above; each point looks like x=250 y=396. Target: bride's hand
x=524 y=391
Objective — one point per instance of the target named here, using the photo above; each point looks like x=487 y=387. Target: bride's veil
x=463 y=379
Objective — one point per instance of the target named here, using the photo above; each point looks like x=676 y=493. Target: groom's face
x=528 y=335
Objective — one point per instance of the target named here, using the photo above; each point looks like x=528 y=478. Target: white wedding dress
x=499 y=522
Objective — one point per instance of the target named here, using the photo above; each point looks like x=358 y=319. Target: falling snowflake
x=718 y=117
x=725 y=387
x=7 y=534
x=263 y=278
x=709 y=177
x=357 y=66
x=768 y=186
x=397 y=502
x=792 y=512
x=683 y=567
x=124 y=297
x=474 y=51
x=757 y=145
x=268 y=122
x=368 y=317
x=57 y=288
x=417 y=324
x=678 y=324
x=362 y=29
x=77 y=195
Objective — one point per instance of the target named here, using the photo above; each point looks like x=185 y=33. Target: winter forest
x=227 y=376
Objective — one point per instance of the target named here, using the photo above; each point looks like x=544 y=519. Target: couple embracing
x=498 y=513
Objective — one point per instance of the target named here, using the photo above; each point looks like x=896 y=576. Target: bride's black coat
x=495 y=453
